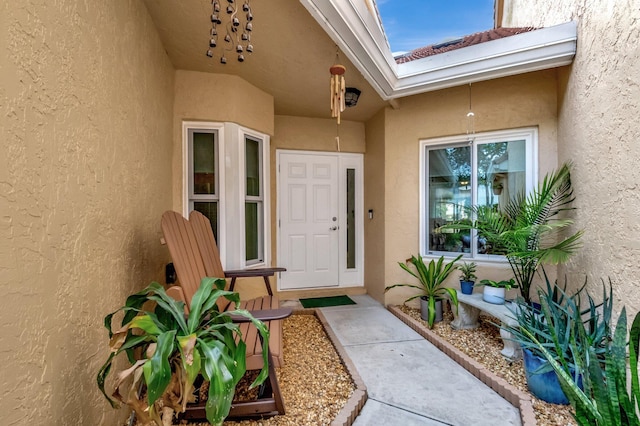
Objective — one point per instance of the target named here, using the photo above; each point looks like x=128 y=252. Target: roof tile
x=470 y=40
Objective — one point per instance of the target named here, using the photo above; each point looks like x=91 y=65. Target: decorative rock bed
x=478 y=351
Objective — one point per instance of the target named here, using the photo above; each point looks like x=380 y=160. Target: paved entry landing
x=409 y=380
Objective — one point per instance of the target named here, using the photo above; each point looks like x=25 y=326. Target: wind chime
x=337 y=95
x=238 y=29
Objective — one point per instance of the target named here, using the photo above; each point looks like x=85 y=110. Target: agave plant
x=173 y=350
x=528 y=229
x=553 y=326
x=431 y=278
x=606 y=399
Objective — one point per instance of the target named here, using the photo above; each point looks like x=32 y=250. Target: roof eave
x=355 y=31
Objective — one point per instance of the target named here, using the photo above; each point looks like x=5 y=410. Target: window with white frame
x=253 y=204
x=203 y=174
x=459 y=172
x=227 y=180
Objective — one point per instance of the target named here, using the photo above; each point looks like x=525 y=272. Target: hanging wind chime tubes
x=337 y=90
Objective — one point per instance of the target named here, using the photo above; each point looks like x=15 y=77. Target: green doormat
x=322 y=302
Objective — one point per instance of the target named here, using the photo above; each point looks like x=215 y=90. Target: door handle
x=333 y=228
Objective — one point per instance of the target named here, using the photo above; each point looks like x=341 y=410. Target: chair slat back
x=207 y=244
x=185 y=253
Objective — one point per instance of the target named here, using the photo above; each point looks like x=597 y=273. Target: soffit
x=291 y=59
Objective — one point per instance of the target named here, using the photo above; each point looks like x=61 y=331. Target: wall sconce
x=351 y=96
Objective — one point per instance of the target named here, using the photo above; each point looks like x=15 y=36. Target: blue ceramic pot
x=466 y=287
x=543 y=386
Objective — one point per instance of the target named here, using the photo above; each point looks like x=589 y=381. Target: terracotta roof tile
x=470 y=40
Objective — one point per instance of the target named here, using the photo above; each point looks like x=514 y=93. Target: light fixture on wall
x=351 y=96
x=471 y=118
x=234 y=25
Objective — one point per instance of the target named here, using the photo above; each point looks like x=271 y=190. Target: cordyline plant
x=431 y=278
x=174 y=349
x=528 y=229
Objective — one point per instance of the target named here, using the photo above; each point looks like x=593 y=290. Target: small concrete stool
x=469 y=307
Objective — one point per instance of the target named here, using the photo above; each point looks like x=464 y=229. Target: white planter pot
x=493 y=295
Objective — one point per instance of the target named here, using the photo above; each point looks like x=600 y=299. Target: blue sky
x=410 y=24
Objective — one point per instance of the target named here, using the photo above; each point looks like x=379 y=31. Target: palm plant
x=527 y=230
x=431 y=278
x=169 y=350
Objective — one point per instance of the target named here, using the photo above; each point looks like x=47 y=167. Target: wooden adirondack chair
x=188 y=261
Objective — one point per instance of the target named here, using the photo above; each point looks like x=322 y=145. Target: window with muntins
x=203 y=189
x=226 y=179
x=485 y=171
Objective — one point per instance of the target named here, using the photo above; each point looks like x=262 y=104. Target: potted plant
x=431 y=289
x=527 y=228
x=606 y=398
x=168 y=350
x=554 y=329
x=467 y=276
x=495 y=291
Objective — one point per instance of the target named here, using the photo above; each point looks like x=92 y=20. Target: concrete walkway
x=410 y=381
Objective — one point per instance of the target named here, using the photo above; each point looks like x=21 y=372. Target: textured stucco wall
x=518 y=101
x=599 y=129
x=374 y=199
x=86 y=122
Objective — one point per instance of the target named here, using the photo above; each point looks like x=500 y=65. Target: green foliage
x=467 y=271
x=174 y=349
x=506 y=284
x=554 y=326
x=607 y=399
x=431 y=278
x=528 y=229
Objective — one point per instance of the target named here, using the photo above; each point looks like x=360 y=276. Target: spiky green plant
x=173 y=350
x=553 y=325
x=431 y=278
x=528 y=229
x=606 y=398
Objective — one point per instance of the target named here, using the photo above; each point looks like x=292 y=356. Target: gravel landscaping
x=484 y=345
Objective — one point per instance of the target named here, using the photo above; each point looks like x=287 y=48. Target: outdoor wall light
x=351 y=96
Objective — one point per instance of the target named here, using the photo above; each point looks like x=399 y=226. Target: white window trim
x=264 y=190
x=230 y=138
x=529 y=134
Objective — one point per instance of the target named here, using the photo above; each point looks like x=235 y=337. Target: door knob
x=333 y=228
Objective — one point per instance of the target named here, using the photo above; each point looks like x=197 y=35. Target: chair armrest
x=265 y=315
x=258 y=272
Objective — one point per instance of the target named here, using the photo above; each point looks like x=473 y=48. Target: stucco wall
x=599 y=129
x=86 y=123
x=374 y=199
x=518 y=101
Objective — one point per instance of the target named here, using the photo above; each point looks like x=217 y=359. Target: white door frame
x=348 y=277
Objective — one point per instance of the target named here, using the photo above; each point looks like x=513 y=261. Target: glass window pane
x=210 y=210
x=252 y=160
x=204 y=163
x=351 y=218
x=252 y=230
x=449 y=197
x=501 y=175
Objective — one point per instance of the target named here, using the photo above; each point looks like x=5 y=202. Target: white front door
x=309 y=223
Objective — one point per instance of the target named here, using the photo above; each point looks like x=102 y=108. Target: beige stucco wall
x=374 y=199
x=86 y=123
x=513 y=102
x=599 y=129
